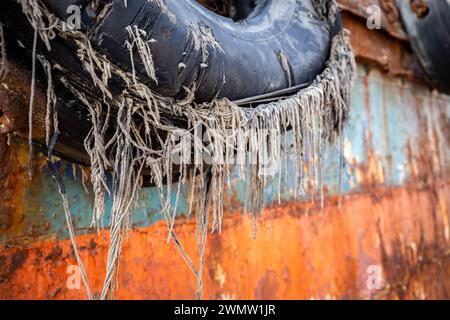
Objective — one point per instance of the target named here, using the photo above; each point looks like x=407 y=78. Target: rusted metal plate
x=394 y=219
x=378 y=48
x=390 y=17
x=298 y=253
x=14 y=103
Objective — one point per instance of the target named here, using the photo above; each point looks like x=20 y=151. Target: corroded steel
x=376 y=47
x=394 y=218
x=299 y=253
x=390 y=19
x=14 y=101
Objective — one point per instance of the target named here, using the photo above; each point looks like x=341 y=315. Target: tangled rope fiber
x=146 y=140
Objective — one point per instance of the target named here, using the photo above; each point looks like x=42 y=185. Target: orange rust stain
x=14 y=184
x=378 y=48
x=319 y=255
x=11 y=198
x=390 y=19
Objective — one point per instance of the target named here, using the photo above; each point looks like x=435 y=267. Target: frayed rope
x=145 y=139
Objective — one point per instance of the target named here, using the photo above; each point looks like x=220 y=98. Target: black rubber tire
x=248 y=59
x=430 y=38
x=247 y=63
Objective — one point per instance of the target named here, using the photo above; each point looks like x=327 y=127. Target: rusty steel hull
x=299 y=253
x=394 y=216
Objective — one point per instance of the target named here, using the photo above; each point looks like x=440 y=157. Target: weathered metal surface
x=378 y=48
x=297 y=254
x=390 y=18
x=395 y=213
x=398 y=134
x=14 y=102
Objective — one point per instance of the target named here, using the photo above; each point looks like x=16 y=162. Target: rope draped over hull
x=147 y=138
